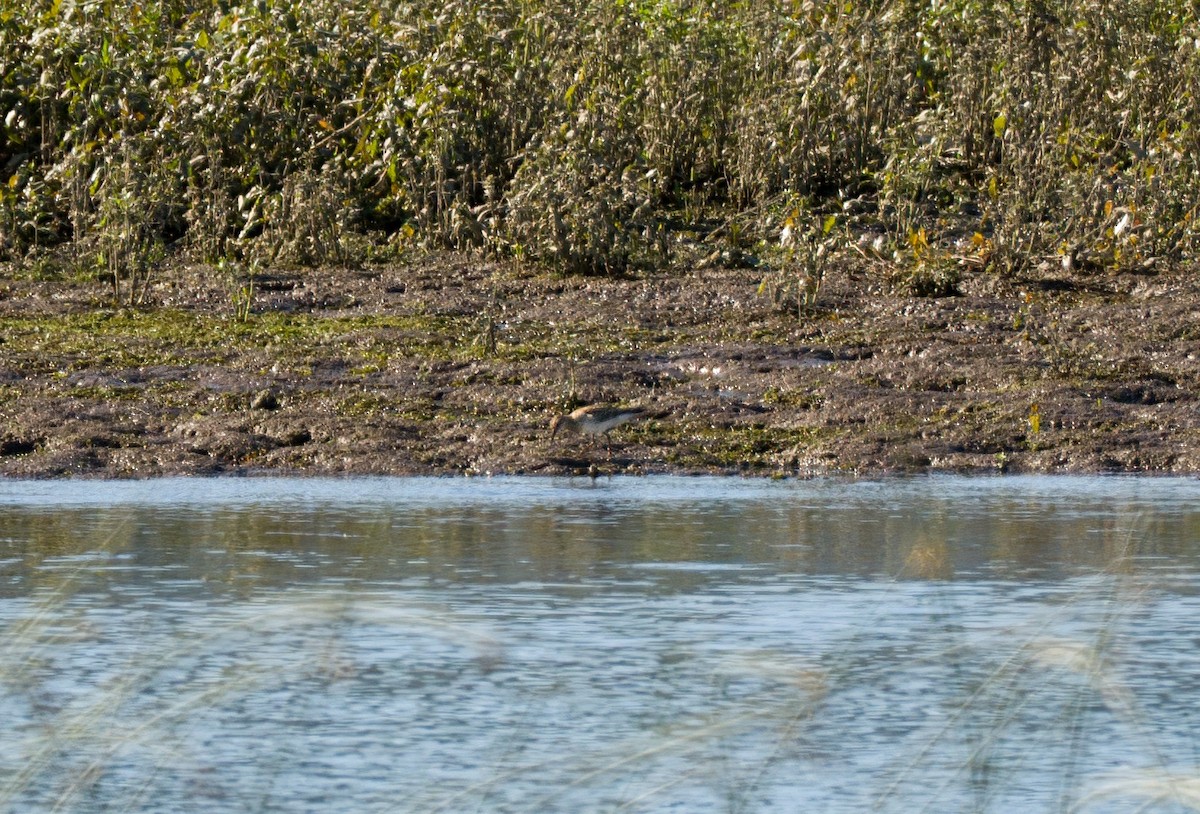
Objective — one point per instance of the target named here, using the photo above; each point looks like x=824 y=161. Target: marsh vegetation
x=603 y=135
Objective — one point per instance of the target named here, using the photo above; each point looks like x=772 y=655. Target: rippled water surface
x=527 y=645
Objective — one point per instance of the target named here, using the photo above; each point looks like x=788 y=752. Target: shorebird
x=595 y=419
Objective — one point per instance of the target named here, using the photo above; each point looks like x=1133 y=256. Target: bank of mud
x=455 y=365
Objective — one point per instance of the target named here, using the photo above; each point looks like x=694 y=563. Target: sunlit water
x=527 y=645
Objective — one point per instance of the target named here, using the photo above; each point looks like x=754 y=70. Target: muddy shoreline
x=452 y=365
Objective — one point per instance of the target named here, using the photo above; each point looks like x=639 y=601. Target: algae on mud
x=388 y=370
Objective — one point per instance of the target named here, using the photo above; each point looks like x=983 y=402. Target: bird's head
x=563 y=422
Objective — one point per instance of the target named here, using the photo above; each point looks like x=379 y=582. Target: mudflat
x=452 y=364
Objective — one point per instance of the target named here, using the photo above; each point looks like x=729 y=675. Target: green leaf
x=999 y=125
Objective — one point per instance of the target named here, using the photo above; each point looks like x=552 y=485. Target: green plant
x=591 y=135
x=127 y=228
x=806 y=256
x=241 y=284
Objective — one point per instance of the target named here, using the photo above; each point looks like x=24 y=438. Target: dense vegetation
x=593 y=135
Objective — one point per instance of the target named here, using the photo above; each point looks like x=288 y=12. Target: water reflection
x=626 y=645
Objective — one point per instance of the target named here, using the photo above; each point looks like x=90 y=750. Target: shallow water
x=655 y=644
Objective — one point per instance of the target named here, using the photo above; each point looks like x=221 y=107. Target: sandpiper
x=595 y=419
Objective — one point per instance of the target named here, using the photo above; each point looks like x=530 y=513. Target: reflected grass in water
x=1151 y=786
x=1013 y=694
x=137 y=716
x=141 y=713
x=1073 y=675
x=792 y=694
